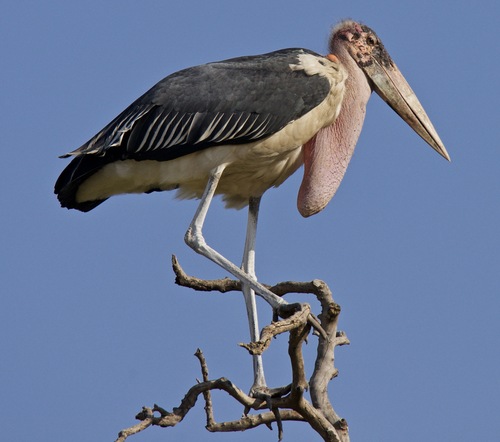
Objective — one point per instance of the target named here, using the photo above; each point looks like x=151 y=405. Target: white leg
x=194 y=239
x=248 y=266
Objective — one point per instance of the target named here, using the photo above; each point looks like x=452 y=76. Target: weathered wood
x=283 y=403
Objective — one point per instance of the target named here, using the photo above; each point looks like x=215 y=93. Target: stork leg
x=248 y=266
x=194 y=239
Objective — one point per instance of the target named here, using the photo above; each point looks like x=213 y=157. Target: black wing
x=234 y=101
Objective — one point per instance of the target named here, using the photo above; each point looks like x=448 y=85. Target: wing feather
x=231 y=102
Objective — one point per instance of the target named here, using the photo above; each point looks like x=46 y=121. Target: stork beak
x=392 y=87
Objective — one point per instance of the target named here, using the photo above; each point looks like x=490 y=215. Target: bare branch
x=203 y=285
x=284 y=403
x=226 y=285
x=206 y=394
x=250 y=421
x=122 y=435
x=269 y=332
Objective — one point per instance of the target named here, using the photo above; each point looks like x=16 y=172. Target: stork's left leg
x=248 y=266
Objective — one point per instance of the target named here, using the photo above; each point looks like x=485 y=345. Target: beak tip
x=444 y=153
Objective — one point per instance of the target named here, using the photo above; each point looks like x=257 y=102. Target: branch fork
x=284 y=403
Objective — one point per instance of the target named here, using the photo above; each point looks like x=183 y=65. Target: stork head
x=368 y=52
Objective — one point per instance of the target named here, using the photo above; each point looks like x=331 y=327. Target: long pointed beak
x=392 y=87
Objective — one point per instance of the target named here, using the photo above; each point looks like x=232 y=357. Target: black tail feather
x=68 y=183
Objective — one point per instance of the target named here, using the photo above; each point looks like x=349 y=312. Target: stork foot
x=266 y=395
x=287 y=310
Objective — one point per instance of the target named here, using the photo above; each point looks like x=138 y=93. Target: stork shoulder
x=330 y=68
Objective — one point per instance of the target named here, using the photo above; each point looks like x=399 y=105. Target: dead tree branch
x=283 y=404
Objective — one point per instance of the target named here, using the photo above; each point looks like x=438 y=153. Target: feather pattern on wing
x=230 y=102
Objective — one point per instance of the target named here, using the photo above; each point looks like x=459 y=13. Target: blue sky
x=92 y=326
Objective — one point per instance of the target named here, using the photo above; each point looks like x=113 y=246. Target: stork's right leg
x=194 y=239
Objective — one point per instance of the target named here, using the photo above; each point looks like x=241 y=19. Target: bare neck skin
x=327 y=154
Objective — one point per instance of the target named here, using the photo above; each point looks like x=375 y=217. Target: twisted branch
x=284 y=404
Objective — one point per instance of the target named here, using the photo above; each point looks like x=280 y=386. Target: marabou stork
x=240 y=126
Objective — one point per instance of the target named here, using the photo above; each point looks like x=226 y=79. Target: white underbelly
x=251 y=170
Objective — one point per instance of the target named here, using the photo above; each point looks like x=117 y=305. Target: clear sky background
x=92 y=326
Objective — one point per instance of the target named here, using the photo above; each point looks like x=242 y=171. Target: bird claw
x=316 y=324
x=265 y=395
x=287 y=310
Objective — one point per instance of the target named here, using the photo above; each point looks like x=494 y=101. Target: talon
x=259 y=392
x=287 y=310
x=314 y=321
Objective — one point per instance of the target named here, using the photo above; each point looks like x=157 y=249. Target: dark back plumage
x=235 y=101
